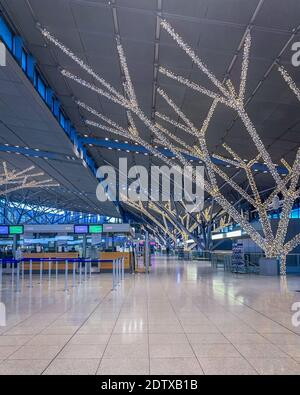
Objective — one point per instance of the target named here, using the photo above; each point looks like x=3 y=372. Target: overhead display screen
x=16 y=230
x=81 y=229
x=3 y=230
x=95 y=229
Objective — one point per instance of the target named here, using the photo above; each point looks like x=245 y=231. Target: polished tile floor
x=183 y=318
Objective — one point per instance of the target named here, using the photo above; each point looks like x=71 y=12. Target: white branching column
x=272 y=242
x=15 y=180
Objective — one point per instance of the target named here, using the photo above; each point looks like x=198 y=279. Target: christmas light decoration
x=15 y=180
x=273 y=244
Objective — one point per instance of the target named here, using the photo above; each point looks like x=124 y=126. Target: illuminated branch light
x=213 y=191
x=141 y=208
x=203 y=146
x=292 y=244
x=193 y=130
x=287 y=166
x=288 y=79
x=245 y=67
x=235 y=186
x=127 y=105
x=182 y=150
x=289 y=202
x=81 y=63
x=165 y=216
x=16 y=180
x=191 y=85
x=172 y=122
x=124 y=67
x=175 y=138
x=132 y=127
x=165 y=25
x=126 y=134
x=92 y=87
x=101 y=116
x=108 y=129
x=231 y=87
x=226 y=160
x=266 y=225
x=235 y=104
x=208 y=118
x=259 y=144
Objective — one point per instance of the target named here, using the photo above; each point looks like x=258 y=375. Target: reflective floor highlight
x=183 y=318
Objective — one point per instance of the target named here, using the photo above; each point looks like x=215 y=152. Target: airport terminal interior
x=149 y=187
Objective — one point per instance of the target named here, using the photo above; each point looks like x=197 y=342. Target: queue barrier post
x=85 y=270
x=41 y=271
x=90 y=268
x=1 y=264
x=12 y=273
x=74 y=275
x=80 y=272
x=114 y=274
x=66 y=274
x=123 y=271
x=18 y=276
x=30 y=273
x=56 y=270
x=23 y=270
x=117 y=272
x=49 y=269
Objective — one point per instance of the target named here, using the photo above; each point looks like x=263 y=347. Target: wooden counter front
x=115 y=255
x=51 y=255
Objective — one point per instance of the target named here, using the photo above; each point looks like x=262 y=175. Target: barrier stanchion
x=49 y=269
x=41 y=271
x=30 y=273
x=123 y=271
x=90 y=268
x=119 y=272
x=80 y=272
x=1 y=264
x=114 y=274
x=18 y=276
x=74 y=275
x=85 y=270
x=12 y=274
x=23 y=270
x=56 y=270
x=66 y=274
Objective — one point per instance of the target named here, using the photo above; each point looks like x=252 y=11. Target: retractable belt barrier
x=118 y=272
x=72 y=265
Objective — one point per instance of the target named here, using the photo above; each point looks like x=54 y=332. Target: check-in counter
x=115 y=255
x=50 y=255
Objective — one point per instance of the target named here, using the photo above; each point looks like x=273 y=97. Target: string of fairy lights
x=14 y=180
x=272 y=244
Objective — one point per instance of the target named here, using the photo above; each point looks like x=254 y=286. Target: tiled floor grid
x=183 y=318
